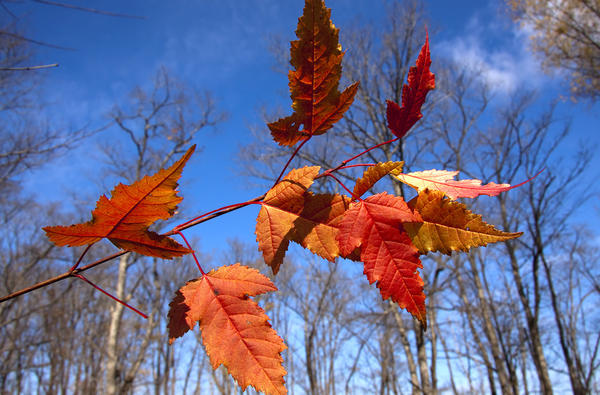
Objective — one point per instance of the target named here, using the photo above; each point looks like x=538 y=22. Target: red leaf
x=317 y=60
x=420 y=82
x=235 y=330
x=375 y=225
x=125 y=217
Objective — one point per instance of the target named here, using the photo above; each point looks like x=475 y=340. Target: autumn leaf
x=375 y=226
x=420 y=82
x=125 y=217
x=374 y=174
x=317 y=61
x=290 y=213
x=449 y=226
x=443 y=180
x=235 y=331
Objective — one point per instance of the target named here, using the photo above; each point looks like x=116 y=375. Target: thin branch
x=290 y=160
x=87 y=9
x=43 y=66
x=193 y=252
x=61 y=276
x=81 y=277
x=176 y=229
x=345 y=187
x=212 y=214
x=30 y=40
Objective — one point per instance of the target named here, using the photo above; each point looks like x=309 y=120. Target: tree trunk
x=412 y=367
x=113 y=369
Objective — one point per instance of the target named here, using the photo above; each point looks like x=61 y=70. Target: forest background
x=132 y=93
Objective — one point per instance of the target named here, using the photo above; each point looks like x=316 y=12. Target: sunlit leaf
x=375 y=226
x=420 y=82
x=125 y=217
x=449 y=226
x=443 y=180
x=314 y=82
x=235 y=331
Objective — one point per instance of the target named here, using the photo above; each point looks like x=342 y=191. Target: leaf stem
x=212 y=214
x=193 y=252
x=345 y=162
x=80 y=276
x=344 y=186
x=290 y=160
x=357 y=165
x=81 y=257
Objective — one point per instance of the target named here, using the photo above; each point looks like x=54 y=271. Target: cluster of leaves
x=383 y=231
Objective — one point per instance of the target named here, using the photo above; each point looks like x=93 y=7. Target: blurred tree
x=566 y=35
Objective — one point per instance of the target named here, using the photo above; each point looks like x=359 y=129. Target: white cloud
x=501 y=58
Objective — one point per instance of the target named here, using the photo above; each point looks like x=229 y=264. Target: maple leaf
x=449 y=226
x=290 y=213
x=317 y=60
x=374 y=174
x=390 y=258
x=235 y=331
x=125 y=217
x=420 y=82
x=443 y=180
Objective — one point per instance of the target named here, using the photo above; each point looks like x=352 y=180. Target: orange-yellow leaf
x=288 y=195
x=375 y=225
x=443 y=180
x=449 y=226
x=290 y=213
x=317 y=61
x=235 y=331
x=125 y=217
x=374 y=174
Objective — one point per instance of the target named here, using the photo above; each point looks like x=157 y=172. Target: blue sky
x=222 y=46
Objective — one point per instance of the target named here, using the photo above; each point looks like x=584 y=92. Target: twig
x=213 y=214
x=193 y=252
x=61 y=276
x=175 y=230
x=43 y=66
x=30 y=40
x=290 y=160
x=82 y=277
x=345 y=162
x=87 y=9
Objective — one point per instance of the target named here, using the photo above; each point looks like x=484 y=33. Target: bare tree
x=159 y=124
x=27 y=142
x=565 y=35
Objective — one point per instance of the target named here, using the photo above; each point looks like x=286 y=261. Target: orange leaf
x=374 y=174
x=125 y=217
x=317 y=61
x=443 y=180
x=375 y=225
x=420 y=82
x=235 y=330
x=290 y=213
x=448 y=226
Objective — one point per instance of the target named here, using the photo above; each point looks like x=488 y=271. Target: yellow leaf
x=374 y=174
x=449 y=226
